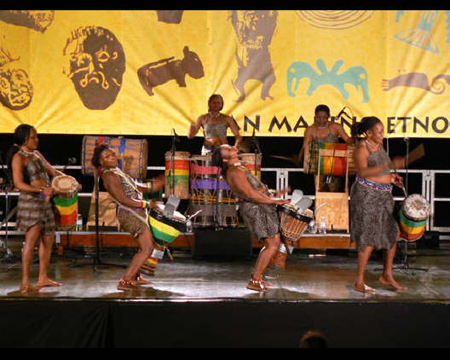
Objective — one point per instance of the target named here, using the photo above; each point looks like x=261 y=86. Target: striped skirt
x=33 y=210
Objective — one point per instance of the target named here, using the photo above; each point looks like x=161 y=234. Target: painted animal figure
x=162 y=71
x=418 y=80
x=356 y=76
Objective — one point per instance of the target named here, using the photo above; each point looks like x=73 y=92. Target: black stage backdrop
x=69 y=323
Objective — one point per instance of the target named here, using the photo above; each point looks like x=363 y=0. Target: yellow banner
x=149 y=72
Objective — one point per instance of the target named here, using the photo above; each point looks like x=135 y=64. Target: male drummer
x=324 y=131
x=257 y=208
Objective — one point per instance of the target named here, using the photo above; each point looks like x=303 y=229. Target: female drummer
x=31 y=175
x=372 y=204
x=215 y=126
x=132 y=215
x=257 y=207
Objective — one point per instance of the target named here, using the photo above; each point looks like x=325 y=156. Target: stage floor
x=186 y=279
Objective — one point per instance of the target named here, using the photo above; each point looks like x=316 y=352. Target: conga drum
x=211 y=194
x=177 y=174
x=252 y=162
x=132 y=154
x=414 y=214
x=65 y=200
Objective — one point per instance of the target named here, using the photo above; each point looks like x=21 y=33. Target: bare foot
x=363 y=288
x=391 y=282
x=47 y=283
x=27 y=289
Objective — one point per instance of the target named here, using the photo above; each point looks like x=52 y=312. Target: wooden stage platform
x=67 y=240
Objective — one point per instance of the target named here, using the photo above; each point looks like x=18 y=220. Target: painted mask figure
x=16 y=90
x=96 y=65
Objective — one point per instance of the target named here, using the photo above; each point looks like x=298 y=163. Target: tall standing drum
x=211 y=194
x=177 y=174
x=66 y=201
x=132 y=154
x=252 y=162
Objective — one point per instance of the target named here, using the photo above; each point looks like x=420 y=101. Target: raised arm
x=236 y=131
x=343 y=134
x=195 y=127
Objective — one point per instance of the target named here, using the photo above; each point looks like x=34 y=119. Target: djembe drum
x=413 y=217
x=65 y=199
x=292 y=226
x=211 y=194
x=164 y=230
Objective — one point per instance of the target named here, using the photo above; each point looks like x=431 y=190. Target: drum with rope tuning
x=413 y=217
x=132 y=154
x=211 y=194
x=65 y=200
x=177 y=174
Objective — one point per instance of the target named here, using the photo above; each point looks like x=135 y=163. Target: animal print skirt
x=260 y=219
x=372 y=217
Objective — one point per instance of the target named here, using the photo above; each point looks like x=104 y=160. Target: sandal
x=126 y=285
x=140 y=280
x=256 y=285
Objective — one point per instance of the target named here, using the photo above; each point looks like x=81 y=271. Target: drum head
x=292 y=212
x=178 y=221
x=416 y=207
x=64 y=184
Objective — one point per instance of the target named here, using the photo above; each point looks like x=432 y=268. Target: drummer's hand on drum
x=46 y=192
x=397 y=180
x=282 y=192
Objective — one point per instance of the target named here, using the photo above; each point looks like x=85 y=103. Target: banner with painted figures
x=152 y=72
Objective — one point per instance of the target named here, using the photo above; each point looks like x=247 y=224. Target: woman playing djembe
x=35 y=217
x=373 y=225
x=131 y=212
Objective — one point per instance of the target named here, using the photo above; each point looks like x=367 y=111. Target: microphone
x=72 y=161
x=176 y=137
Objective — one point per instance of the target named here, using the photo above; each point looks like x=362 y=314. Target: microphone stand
x=405 y=261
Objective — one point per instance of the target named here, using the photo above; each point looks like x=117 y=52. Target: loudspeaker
x=430 y=240
x=227 y=243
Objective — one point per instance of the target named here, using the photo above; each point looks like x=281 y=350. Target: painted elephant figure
x=356 y=76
